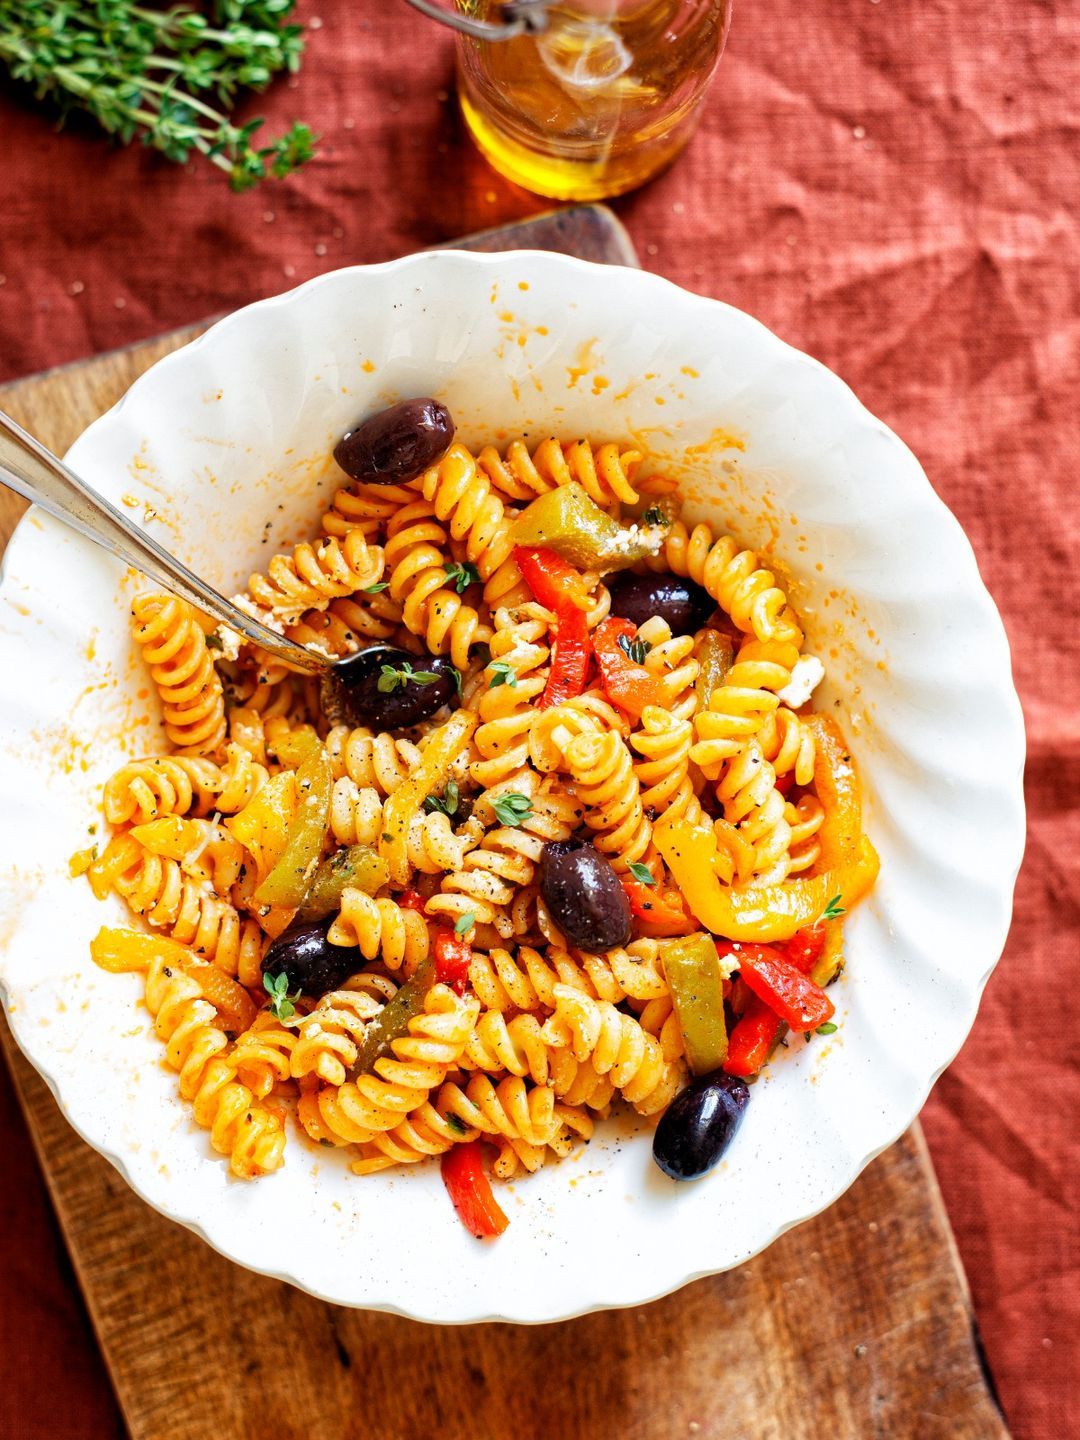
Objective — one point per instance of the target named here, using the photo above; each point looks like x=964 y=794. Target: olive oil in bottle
x=597 y=103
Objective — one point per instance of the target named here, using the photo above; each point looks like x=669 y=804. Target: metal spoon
x=36 y=474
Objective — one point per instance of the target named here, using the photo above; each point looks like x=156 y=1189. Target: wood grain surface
x=855 y=1325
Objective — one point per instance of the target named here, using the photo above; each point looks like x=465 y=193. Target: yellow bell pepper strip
x=836 y=785
x=262 y=826
x=569 y=521
x=296 y=746
x=831 y=960
x=692 y=968
x=756 y=912
x=443 y=747
x=715 y=654
x=287 y=882
x=358 y=866
x=393 y=1019
x=127 y=950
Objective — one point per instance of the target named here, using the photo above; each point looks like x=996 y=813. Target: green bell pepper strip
x=443 y=747
x=715 y=653
x=393 y=1019
x=569 y=522
x=358 y=866
x=692 y=968
x=288 y=881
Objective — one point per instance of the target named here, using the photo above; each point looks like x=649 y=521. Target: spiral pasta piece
x=356 y=818
x=262 y=1055
x=616 y=1045
x=744 y=705
x=416 y=563
x=503 y=863
x=354 y=1113
x=313 y=575
x=366 y=507
x=182 y=668
x=733 y=577
x=506 y=701
x=604 y=473
x=379 y=760
x=156 y=888
x=346 y=623
x=142 y=790
x=753 y=804
x=806 y=817
x=663 y=773
x=602 y=772
x=380 y=928
x=252 y=1136
x=672 y=661
x=788 y=744
x=327 y=1039
x=465 y=500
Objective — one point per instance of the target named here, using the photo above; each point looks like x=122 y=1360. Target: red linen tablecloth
x=889 y=186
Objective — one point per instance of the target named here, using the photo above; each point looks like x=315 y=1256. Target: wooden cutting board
x=855 y=1325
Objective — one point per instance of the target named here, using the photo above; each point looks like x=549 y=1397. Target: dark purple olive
x=374 y=688
x=684 y=605
x=699 y=1125
x=305 y=955
x=396 y=444
x=583 y=895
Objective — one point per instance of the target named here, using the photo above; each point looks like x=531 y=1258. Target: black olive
x=305 y=955
x=583 y=895
x=350 y=693
x=699 y=1125
x=396 y=444
x=684 y=605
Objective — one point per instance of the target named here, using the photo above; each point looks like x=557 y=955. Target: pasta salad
x=562 y=832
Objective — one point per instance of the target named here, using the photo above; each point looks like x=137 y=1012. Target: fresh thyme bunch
x=168 y=77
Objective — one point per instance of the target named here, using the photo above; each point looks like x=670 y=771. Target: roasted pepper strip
x=789 y=993
x=715 y=653
x=443 y=747
x=569 y=521
x=470 y=1190
x=660 y=911
x=756 y=912
x=627 y=684
x=453 y=956
x=122 y=950
x=288 y=881
x=752 y=1039
x=837 y=787
x=262 y=826
x=692 y=968
x=557 y=586
x=393 y=1019
x=358 y=866
x=296 y=746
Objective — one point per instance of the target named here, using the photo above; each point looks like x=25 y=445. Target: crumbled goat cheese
x=806 y=675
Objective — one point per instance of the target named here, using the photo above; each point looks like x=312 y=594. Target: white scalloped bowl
x=227 y=443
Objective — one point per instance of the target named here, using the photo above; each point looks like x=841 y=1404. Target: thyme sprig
x=166 y=77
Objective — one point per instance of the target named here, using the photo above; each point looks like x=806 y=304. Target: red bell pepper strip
x=752 y=1039
x=804 y=948
x=659 y=910
x=554 y=583
x=758 y=1028
x=453 y=956
x=470 y=1190
x=412 y=900
x=627 y=684
x=790 y=994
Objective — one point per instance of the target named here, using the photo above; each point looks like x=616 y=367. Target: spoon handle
x=36 y=474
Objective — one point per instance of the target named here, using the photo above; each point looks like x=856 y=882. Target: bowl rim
x=1012 y=826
